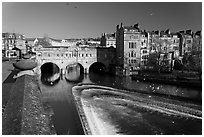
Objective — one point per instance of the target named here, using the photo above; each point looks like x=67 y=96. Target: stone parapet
x=24 y=113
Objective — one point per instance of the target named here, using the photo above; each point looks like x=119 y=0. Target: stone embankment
x=24 y=112
x=169 y=81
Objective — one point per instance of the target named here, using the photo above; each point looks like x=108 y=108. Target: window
x=90 y=55
x=135 y=55
x=132 y=44
x=39 y=55
x=144 y=51
x=188 y=41
x=165 y=48
x=48 y=55
x=86 y=55
x=145 y=57
x=132 y=54
x=82 y=55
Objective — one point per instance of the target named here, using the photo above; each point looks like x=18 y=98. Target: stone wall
x=24 y=113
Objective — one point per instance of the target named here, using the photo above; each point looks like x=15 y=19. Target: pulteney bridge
x=86 y=57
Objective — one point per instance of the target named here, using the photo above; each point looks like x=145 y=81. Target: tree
x=158 y=58
x=44 y=41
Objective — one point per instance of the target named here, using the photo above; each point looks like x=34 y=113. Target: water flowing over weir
x=66 y=120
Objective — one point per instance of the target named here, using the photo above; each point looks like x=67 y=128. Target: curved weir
x=66 y=119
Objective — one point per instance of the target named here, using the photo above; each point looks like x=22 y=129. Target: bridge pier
x=85 y=70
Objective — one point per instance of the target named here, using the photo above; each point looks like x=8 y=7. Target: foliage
x=192 y=61
x=155 y=60
x=44 y=41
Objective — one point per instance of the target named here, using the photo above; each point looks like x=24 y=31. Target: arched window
x=132 y=53
x=135 y=54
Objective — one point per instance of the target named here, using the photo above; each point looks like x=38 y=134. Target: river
x=65 y=118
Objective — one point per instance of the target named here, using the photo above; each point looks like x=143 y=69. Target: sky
x=63 y=20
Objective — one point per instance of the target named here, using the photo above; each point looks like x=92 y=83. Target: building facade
x=131 y=49
x=11 y=42
x=137 y=49
x=165 y=47
x=186 y=42
x=108 y=40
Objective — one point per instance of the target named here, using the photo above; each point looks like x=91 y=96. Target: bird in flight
x=151 y=14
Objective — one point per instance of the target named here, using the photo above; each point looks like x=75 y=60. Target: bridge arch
x=97 y=67
x=74 y=72
x=81 y=67
x=50 y=67
x=50 y=73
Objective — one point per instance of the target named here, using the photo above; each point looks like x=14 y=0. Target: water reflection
x=50 y=80
x=59 y=97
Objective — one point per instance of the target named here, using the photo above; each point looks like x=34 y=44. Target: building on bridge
x=11 y=42
x=86 y=57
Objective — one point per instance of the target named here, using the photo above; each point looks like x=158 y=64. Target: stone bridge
x=85 y=56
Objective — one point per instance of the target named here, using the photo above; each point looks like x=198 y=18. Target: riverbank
x=106 y=111
x=177 y=78
x=23 y=110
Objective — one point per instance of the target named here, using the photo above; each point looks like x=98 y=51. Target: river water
x=65 y=118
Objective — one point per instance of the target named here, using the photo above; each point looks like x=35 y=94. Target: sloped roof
x=131 y=28
x=58 y=40
x=30 y=39
x=198 y=33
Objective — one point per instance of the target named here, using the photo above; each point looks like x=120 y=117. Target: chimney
x=189 y=31
x=136 y=26
x=117 y=27
x=121 y=25
x=167 y=31
x=158 y=32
